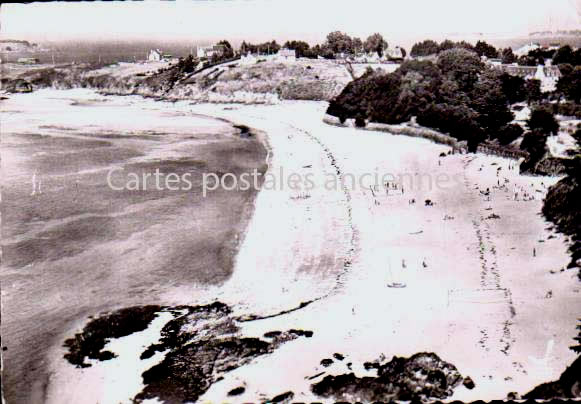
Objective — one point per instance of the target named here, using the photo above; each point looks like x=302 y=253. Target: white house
x=491 y=61
x=286 y=54
x=524 y=50
x=394 y=53
x=209 y=51
x=154 y=55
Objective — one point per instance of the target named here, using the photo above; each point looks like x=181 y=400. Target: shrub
x=543 y=120
x=509 y=133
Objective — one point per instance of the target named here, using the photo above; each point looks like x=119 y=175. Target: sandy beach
x=482 y=308
x=498 y=296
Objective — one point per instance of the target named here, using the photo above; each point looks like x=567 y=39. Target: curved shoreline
x=118 y=275
x=284 y=258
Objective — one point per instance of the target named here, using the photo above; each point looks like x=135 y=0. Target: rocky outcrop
x=568 y=385
x=424 y=376
x=547 y=165
x=202 y=343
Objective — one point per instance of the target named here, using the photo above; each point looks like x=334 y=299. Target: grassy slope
x=263 y=82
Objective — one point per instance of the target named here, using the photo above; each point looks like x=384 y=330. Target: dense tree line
x=265 y=48
x=456 y=95
x=429 y=47
x=336 y=42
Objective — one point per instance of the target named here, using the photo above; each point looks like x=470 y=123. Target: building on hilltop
x=210 y=51
x=524 y=50
x=154 y=55
x=548 y=75
x=286 y=54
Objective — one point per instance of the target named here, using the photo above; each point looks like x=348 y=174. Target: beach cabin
x=154 y=55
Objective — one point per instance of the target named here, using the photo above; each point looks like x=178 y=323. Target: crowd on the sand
x=520 y=193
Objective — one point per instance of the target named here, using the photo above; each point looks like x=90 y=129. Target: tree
x=339 y=42
x=489 y=100
x=564 y=55
x=533 y=90
x=462 y=66
x=535 y=143
x=188 y=64
x=228 y=51
x=543 y=120
x=509 y=133
x=577 y=57
x=484 y=49
x=375 y=43
x=513 y=87
x=425 y=48
x=526 y=61
x=540 y=54
x=459 y=121
x=508 y=56
x=447 y=44
x=301 y=47
x=577 y=137
x=357 y=45
x=569 y=85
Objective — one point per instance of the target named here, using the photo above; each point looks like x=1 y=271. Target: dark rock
x=568 y=385
x=327 y=362
x=89 y=343
x=370 y=365
x=301 y=333
x=468 y=383
x=424 y=376
x=283 y=397
x=202 y=348
x=237 y=391
x=338 y=356
x=512 y=396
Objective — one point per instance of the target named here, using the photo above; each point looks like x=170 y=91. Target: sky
x=266 y=19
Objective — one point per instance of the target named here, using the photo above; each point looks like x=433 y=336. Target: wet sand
x=76 y=247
